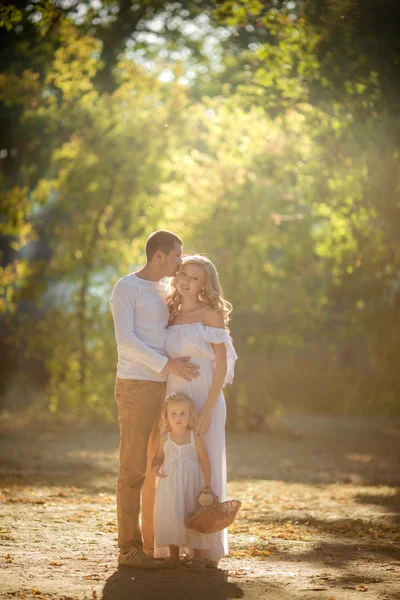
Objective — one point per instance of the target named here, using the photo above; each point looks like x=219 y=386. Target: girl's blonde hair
x=179 y=398
x=211 y=294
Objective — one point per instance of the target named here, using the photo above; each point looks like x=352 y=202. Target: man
x=140 y=314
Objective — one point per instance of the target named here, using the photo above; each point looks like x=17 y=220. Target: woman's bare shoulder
x=214 y=317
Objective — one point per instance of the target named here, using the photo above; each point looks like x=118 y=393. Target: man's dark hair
x=161 y=240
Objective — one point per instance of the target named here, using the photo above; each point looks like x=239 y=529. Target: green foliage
x=15 y=226
x=106 y=178
x=10 y=16
x=281 y=162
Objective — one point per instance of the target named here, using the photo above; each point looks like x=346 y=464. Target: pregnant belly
x=197 y=389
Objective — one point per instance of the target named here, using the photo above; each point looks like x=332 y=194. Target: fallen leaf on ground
x=254 y=551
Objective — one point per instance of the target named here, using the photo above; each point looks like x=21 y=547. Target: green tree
x=103 y=196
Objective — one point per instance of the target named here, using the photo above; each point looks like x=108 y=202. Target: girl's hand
x=157 y=473
x=203 y=421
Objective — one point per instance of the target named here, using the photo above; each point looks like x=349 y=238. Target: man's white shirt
x=140 y=313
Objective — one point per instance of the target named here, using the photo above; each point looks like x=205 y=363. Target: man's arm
x=122 y=307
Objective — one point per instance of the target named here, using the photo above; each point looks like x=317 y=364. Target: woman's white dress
x=196 y=340
x=177 y=496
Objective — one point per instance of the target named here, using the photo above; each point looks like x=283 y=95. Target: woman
x=198 y=322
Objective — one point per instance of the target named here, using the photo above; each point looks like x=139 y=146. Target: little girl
x=186 y=472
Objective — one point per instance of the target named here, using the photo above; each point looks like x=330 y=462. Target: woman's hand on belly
x=204 y=420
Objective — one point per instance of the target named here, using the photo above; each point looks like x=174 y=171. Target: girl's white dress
x=196 y=340
x=177 y=495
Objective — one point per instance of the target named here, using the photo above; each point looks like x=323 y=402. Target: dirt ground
x=320 y=515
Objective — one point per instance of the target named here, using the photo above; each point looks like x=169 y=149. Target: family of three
x=175 y=355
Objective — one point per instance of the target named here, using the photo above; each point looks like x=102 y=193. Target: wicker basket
x=214 y=518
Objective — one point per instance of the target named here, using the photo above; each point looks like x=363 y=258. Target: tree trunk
x=82 y=312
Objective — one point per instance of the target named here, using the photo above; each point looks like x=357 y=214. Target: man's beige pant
x=139 y=409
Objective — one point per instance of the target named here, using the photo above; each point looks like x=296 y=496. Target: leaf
x=258 y=551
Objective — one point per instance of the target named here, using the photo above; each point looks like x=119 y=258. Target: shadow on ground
x=391 y=503
x=341 y=554
x=178 y=584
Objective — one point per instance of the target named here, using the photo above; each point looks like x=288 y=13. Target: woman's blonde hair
x=211 y=294
x=179 y=398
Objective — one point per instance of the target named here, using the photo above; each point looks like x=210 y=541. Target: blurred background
x=264 y=133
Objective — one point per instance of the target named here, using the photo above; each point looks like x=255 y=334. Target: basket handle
x=214 y=496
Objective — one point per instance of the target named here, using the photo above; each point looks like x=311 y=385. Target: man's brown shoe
x=138 y=559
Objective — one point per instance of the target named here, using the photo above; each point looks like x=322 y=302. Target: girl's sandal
x=172 y=562
x=197 y=565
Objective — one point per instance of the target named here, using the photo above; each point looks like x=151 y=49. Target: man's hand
x=183 y=368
